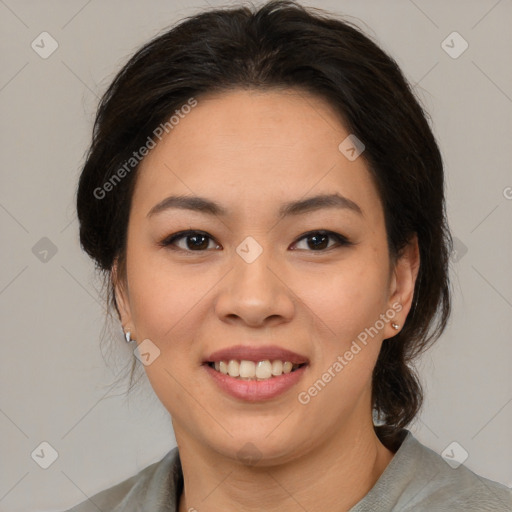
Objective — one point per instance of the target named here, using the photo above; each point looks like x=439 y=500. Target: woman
x=265 y=198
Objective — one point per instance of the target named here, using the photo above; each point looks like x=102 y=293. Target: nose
x=255 y=293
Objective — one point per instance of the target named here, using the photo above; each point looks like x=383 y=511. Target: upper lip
x=258 y=353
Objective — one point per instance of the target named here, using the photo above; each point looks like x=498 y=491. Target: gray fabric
x=416 y=480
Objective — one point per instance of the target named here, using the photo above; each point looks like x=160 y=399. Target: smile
x=251 y=370
x=255 y=372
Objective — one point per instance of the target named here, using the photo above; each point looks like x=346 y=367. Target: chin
x=256 y=448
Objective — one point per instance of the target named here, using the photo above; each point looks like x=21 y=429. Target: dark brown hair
x=284 y=45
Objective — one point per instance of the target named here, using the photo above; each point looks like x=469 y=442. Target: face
x=265 y=277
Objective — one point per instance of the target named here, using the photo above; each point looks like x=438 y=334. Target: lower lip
x=256 y=390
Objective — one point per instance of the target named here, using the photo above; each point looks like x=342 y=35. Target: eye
x=320 y=240
x=197 y=241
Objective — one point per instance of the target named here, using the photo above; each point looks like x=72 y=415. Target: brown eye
x=194 y=241
x=319 y=240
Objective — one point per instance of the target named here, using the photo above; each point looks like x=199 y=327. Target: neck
x=332 y=476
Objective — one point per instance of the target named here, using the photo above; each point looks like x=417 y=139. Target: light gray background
x=55 y=385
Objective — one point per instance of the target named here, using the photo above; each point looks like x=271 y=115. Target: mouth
x=255 y=373
x=254 y=370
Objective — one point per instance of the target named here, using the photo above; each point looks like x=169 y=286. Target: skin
x=251 y=151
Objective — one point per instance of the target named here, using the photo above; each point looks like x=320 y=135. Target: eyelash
x=168 y=242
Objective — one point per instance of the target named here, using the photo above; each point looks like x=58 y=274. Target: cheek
x=165 y=307
x=347 y=307
x=349 y=297
x=162 y=298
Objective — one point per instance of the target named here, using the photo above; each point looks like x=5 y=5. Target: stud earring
x=127 y=336
x=395 y=326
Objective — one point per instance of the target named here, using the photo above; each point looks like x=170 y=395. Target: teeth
x=233 y=368
x=277 y=367
x=249 y=370
x=264 y=370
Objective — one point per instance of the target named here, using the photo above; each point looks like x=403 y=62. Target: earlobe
x=121 y=299
x=403 y=279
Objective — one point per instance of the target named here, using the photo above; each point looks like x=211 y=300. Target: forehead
x=254 y=147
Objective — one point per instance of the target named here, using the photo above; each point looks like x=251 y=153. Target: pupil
x=322 y=244
x=194 y=245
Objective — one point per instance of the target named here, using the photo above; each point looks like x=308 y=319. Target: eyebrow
x=209 y=207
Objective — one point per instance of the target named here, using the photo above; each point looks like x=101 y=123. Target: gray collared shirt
x=416 y=480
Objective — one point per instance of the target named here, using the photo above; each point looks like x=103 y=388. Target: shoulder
x=156 y=487
x=454 y=488
x=419 y=480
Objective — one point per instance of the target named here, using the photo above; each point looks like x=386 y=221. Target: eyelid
x=342 y=241
x=168 y=241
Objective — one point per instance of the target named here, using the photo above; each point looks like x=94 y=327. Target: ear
x=402 y=283
x=122 y=301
